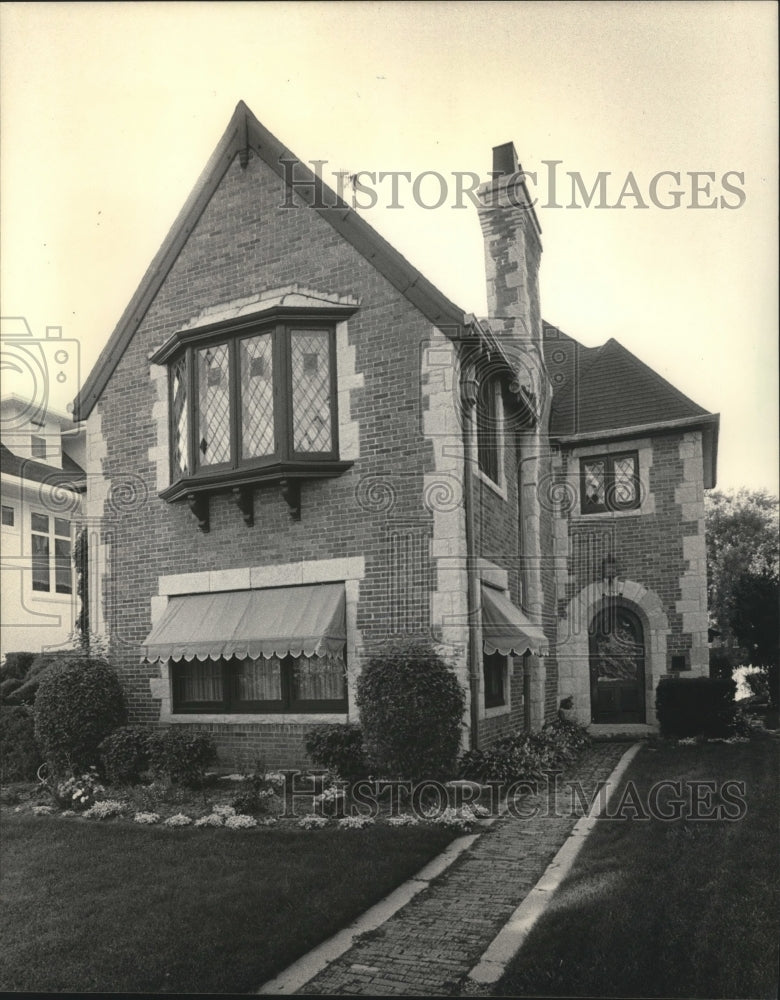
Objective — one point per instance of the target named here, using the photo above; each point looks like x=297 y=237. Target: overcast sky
x=110 y=112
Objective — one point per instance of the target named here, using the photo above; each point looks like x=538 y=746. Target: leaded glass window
x=257 y=396
x=214 y=405
x=595 y=482
x=310 y=370
x=253 y=401
x=179 y=418
x=609 y=483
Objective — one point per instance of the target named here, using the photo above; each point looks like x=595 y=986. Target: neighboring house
x=43 y=481
x=320 y=453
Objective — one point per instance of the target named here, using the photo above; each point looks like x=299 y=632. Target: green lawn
x=687 y=908
x=118 y=908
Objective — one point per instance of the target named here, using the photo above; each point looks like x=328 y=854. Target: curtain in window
x=200 y=681
x=259 y=680
x=318 y=678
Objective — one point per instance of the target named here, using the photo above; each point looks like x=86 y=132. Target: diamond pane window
x=214 y=405
x=257 y=396
x=311 y=397
x=179 y=422
x=595 y=482
x=250 y=406
x=610 y=483
x=624 y=481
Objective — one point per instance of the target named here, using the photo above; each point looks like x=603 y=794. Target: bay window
x=252 y=402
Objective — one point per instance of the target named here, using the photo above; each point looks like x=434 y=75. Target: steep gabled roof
x=606 y=391
x=245 y=133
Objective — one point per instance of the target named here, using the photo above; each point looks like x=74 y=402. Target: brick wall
x=246 y=242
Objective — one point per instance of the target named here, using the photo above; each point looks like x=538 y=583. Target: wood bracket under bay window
x=291 y=493
x=243 y=497
x=199 y=505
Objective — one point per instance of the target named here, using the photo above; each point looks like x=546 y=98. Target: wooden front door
x=617 y=667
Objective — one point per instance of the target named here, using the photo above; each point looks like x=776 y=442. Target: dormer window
x=251 y=403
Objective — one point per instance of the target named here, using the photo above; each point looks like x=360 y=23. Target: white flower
x=144 y=817
x=43 y=810
x=180 y=819
x=213 y=819
x=355 y=822
x=240 y=822
x=105 y=809
x=224 y=811
x=406 y=819
x=312 y=822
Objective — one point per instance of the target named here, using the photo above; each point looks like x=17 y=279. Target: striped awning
x=505 y=629
x=279 y=621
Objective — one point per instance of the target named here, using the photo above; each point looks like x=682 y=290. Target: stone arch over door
x=573 y=647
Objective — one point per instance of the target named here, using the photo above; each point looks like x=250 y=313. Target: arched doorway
x=617 y=666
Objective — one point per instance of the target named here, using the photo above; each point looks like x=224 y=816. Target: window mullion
x=283 y=394
x=192 y=405
x=234 y=391
x=228 y=684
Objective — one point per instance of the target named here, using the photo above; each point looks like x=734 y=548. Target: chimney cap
x=505 y=159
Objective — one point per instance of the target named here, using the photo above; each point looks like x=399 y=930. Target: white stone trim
x=348 y=379
x=159 y=453
x=692 y=605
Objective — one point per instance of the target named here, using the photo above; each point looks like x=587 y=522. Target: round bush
x=125 y=755
x=181 y=755
x=340 y=749
x=411 y=712
x=79 y=702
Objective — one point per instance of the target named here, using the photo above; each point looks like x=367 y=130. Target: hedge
x=696 y=706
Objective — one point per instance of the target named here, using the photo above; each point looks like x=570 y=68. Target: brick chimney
x=513 y=250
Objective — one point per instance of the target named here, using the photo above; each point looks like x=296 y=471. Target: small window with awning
x=505 y=629
x=279 y=649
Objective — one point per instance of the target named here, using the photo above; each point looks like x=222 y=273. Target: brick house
x=300 y=449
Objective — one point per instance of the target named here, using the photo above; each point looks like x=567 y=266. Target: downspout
x=468 y=399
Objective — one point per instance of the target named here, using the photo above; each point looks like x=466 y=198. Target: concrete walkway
x=431 y=944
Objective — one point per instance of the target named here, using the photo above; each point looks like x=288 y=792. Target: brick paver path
x=435 y=940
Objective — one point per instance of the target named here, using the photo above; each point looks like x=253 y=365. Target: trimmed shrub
x=181 y=756
x=125 y=755
x=526 y=756
x=696 y=706
x=7 y=689
x=42 y=664
x=20 y=756
x=17 y=664
x=79 y=702
x=411 y=710
x=340 y=749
